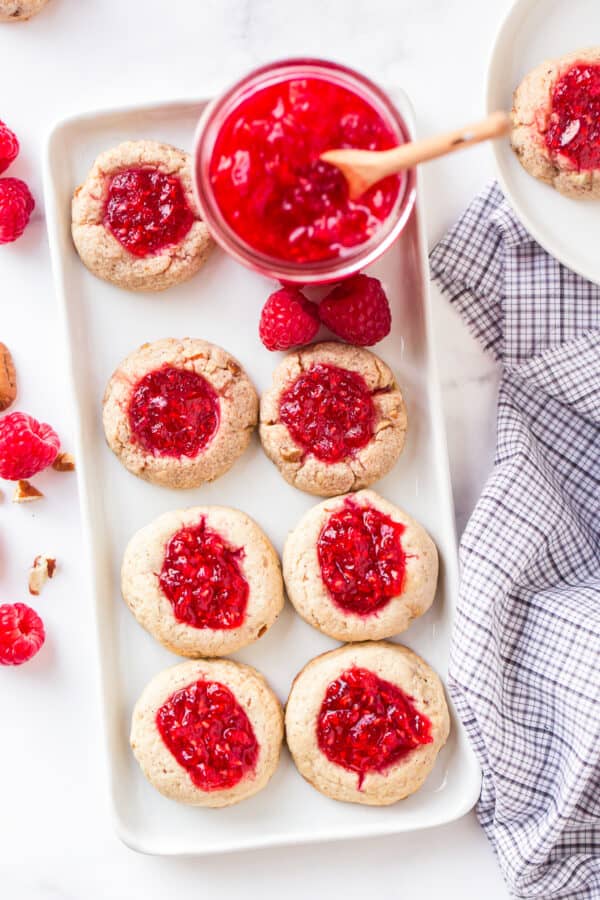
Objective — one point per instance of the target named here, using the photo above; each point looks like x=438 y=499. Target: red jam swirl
x=329 y=412
x=209 y=734
x=361 y=558
x=173 y=412
x=366 y=724
x=574 y=129
x=146 y=210
x=202 y=579
x=270 y=185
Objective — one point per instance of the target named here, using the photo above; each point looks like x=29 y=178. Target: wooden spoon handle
x=408 y=155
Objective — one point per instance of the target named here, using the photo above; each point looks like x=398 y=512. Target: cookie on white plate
x=365 y=723
x=203 y=581
x=556 y=123
x=334 y=419
x=359 y=568
x=179 y=412
x=134 y=218
x=20 y=10
x=208 y=732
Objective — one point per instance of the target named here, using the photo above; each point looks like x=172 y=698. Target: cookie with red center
x=208 y=732
x=359 y=568
x=179 y=412
x=556 y=123
x=334 y=419
x=204 y=581
x=365 y=723
x=20 y=10
x=135 y=221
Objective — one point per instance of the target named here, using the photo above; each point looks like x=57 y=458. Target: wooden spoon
x=363 y=168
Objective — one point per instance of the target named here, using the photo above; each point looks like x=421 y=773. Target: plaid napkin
x=525 y=663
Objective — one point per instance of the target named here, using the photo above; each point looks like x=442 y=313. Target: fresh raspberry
x=9 y=147
x=26 y=446
x=21 y=633
x=287 y=320
x=358 y=311
x=16 y=206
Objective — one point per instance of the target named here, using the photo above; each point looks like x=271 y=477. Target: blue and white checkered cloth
x=525 y=663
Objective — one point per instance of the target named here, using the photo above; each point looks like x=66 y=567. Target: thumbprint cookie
x=365 y=723
x=334 y=419
x=179 y=412
x=359 y=568
x=208 y=732
x=556 y=123
x=204 y=581
x=135 y=221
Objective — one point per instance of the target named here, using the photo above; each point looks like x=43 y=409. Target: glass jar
x=352 y=259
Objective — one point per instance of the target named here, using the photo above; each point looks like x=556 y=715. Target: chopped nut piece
x=25 y=492
x=64 y=462
x=8 y=378
x=291 y=454
x=43 y=568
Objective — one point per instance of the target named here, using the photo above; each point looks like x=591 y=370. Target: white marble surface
x=56 y=839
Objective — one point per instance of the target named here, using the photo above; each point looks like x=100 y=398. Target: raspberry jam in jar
x=202 y=579
x=209 y=734
x=146 y=210
x=367 y=724
x=173 y=412
x=263 y=191
x=328 y=412
x=574 y=128
x=361 y=558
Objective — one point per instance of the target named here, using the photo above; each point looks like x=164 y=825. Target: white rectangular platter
x=102 y=324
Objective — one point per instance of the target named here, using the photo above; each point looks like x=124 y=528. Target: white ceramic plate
x=533 y=31
x=222 y=303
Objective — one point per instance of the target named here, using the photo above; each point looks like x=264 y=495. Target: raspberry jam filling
x=329 y=412
x=209 y=734
x=146 y=210
x=270 y=185
x=202 y=579
x=361 y=558
x=173 y=412
x=366 y=724
x=574 y=129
